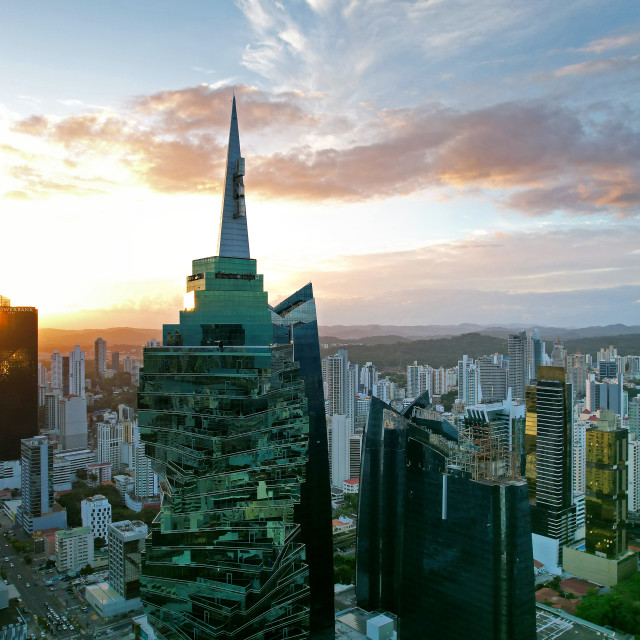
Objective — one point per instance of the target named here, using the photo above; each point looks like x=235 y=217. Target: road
x=36 y=595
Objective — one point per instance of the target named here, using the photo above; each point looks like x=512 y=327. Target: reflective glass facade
x=225 y=419
x=18 y=377
x=452 y=556
x=548 y=442
x=606 y=499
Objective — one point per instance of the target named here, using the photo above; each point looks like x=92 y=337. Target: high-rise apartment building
x=38 y=509
x=440 y=531
x=100 y=351
x=468 y=381
x=57 y=371
x=231 y=412
x=76 y=373
x=634 y=417
x=368 y=377
x=115 y=361
x=548 y=445
x=339 y=449
x=110 y=441
x=534 y=354
x=518 y=377
x=633 y=474
x=18 y=377
x=341 y=381
x=72 y=422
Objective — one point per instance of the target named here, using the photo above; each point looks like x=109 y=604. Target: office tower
x=548 y=444
x=18 y=376
x=606 y=501
x=72 y=417
x=355 y=454
x=340 y=452
x=492 y=374
x=535 y=355
x=232 y=416
x=607 y=369
x=605 y=557
x=100 y=362
x=76 y=373
x=96 y=514
x=580 y=424
x=126 y=541
x=56 y=371
x=443 y=541
x=608 y=395
x=115 y=361
x=52 y=411
x=467 y=381
x=38 y=510
x=74 y=549
x=517 y=346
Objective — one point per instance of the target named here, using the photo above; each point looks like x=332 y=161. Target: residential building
x=535 y=353
x=74 y=549
x=76 y=373
x=100 y=350
x=368 y=377
x=96 y=514
x=110 y=440
x=633 y=474
x=351 y=486
x=339 y=448
x=231 y=412
x=517 y=345
x=115 y=361
x=57 y=372
x=468 y=381
x=634 y=417
x=19 y=379
x=38 y=509
x=559 y=355
x=355 y=455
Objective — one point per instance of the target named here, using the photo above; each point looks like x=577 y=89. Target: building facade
x=96 y=514
x=226 y=408
x=126 y=546
x=18 y=376
x=74 y=549
x=100 y=355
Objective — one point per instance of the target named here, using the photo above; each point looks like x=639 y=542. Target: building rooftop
x=353 y=481
x=71 y=533
x=97 y=498
x=578 y=587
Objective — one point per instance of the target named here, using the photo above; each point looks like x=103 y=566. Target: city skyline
x=483 y=155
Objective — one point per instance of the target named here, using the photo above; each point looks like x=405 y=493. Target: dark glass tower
x=18 y=377
x=232 y=415
x=548 y=438
x=442 y=542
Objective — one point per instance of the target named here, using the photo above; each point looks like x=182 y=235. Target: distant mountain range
x=64 y=339
x=383 y=333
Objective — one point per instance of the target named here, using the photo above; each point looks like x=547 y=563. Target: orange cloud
x=545 y=157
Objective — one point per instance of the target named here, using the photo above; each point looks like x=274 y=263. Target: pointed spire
x=233 y=241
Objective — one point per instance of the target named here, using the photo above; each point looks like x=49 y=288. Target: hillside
x=64 y=339
x=445 y=352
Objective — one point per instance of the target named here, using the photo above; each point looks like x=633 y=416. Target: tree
x=98 y=543
x=28 y=560
x=81 y=474
x=86 y=571
x=93 y=477
x=50 y=564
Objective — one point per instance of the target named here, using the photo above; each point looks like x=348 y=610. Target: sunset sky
x=420 y=162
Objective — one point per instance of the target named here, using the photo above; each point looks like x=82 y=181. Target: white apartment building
x=74 y=549
x=96 y=514
x=110 y=443
x=146 y=481
x=633 y=471
x=76 y=372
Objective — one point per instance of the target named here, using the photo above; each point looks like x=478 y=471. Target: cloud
x=607 y=65
x=606 y=44
x=532 y=157
x=573 y=277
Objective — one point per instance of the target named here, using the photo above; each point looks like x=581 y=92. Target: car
x=11 y=564
x=28 y=585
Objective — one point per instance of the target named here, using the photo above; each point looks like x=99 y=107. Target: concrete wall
x=604 y=571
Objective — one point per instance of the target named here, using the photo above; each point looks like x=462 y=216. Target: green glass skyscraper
x=231 y=413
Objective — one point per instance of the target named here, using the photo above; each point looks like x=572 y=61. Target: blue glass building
x=232 y=415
